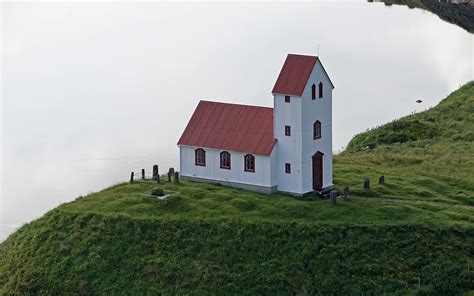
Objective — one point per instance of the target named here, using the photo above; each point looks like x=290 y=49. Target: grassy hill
x=213 y=239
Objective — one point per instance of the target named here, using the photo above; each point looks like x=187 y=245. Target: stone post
x=155 y=171
x=143 y=174
x=333 y=196
x=176 y=177
x=367 y=183
x=346 y=192
x=131 y=178
x=382 y=180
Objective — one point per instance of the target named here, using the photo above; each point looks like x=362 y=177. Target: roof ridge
x=234 y=104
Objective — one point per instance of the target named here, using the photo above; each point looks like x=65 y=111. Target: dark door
x=318 y=171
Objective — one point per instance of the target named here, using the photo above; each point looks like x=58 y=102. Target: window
x=288 y=168
x=287 y=99
x=313 y=92
x=320 y=90
x=249 y=163
x=317 y=130
x=287 y=130
x=225 y=160
x=200 y=157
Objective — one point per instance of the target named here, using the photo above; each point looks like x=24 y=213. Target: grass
x=214 y=239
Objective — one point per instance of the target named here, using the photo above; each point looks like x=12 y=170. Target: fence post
x=333 y=196
x=155 y=171
x=346 y=192
x=176 y=177
x=382 y=180
x=143 y=174
x=367 y=183
x=131 y=178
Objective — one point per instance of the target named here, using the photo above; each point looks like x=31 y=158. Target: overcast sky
x=91 y=89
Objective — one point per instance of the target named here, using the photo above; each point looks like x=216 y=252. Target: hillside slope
x=458 y=14
x=218 y=240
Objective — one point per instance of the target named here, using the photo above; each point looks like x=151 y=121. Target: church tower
x=302 y=126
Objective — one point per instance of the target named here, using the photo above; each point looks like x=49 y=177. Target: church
x=287 y=148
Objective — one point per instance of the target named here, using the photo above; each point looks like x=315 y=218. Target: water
x=92 y=91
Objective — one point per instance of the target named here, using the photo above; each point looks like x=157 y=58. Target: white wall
x=262 y=176
x=299 y=148
x=318 y=109
x=288 y=147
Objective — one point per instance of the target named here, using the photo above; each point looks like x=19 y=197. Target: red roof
x=294 y=75
x=241 y=128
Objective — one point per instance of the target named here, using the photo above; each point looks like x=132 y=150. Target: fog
x=92 y=91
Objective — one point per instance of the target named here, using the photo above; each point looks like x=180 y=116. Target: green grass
x=215 y=239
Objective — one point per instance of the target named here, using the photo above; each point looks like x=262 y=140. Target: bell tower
x=302 y=125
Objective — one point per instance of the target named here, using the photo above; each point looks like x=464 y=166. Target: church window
x=249 y=163
x=317 y=130
x=200 y=157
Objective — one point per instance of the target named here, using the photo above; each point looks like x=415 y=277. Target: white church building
x=287 y=148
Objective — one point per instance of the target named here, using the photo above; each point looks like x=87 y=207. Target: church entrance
x=318 y=171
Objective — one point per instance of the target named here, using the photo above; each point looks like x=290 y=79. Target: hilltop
x=458 y=14
x=214 y=239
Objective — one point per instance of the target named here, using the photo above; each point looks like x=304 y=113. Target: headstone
x=346 y=192
x=367 y=183
x=382 y=180
x=155 y=171
x=333 y=196
x=143 y=174
x=157 y=178
x=171 y=171
x=169 y=177
x=176 y=177
x=131 y=177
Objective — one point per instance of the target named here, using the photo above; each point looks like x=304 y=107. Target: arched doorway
x=318 y=170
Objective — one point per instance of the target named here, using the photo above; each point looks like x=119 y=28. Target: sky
x=91 y=91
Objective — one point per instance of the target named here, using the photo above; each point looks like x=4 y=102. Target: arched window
x=249 y=163
x=317 y=130
x=225 y=160
x=320 y=90
x=200 y=157
x=313 y=92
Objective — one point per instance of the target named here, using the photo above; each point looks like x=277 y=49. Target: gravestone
x=346 y=192
x=382 y=180
x=333 y=196
x=367 y=183
x=155 y=171
x=176 y=177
